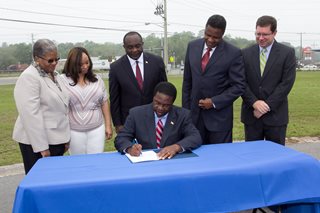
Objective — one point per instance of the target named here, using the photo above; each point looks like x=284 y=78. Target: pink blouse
x=85 y=112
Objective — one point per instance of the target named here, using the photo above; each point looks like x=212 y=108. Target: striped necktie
x=159 y=130
x=263 y=60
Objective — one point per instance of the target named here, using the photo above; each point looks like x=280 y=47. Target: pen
x=135 y=141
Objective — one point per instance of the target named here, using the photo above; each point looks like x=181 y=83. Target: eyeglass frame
x=264 y=35
x=50 y=61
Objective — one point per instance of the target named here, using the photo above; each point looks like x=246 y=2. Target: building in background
x=97 y=64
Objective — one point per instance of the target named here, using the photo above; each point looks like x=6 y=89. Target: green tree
x=64 y=48
x=22 y=52
x=178 y=45
x=153 y=44
x=6 y=59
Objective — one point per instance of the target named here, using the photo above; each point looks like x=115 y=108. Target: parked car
x=309 y=67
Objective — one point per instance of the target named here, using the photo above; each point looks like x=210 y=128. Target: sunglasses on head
x=50 y=61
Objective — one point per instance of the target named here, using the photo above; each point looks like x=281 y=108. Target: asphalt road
x=10 y=176
x=8 y=80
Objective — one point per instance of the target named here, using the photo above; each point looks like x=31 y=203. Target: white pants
x=87 y=142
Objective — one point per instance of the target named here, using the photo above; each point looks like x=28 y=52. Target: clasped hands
x=260 y=108
x=166 y=152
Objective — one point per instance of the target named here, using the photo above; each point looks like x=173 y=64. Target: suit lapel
x=216 y=56
x=273 y=55
x=128 y=70
x=256 y=60
x=52 y=86
x=151 y=125
x=147 y=74
x=197 y=54
x=170 y=122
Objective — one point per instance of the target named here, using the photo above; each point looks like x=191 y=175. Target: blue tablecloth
x=223 y=178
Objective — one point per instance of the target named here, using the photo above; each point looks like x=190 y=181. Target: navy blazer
x=273 y=86
x=140 y=124
x=124 y=89
x=223 y=81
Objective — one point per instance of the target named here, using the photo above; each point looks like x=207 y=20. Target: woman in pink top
x=89 y=110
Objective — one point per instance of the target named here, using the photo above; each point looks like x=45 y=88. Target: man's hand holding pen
x=135 y=149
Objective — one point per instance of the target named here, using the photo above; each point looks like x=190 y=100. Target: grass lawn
x=304 y=104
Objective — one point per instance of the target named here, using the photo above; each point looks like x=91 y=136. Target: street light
x=161 y=10
x=157 y=24
x=161 y=39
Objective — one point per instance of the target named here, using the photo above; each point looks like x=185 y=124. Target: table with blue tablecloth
x=221 y=178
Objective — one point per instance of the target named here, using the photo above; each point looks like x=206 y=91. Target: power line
x=68 y=16
x=74 y=26
x=121 y=21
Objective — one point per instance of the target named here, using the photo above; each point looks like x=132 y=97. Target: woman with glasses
x=42 y=127
x=89 y=113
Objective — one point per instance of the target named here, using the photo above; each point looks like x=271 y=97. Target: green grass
x=9 y=150
x=304 y=104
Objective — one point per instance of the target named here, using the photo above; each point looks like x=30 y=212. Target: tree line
x=21 y=53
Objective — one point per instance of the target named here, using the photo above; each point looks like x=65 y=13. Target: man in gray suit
x=270 y=70
x=213 y=79
x=177 y=135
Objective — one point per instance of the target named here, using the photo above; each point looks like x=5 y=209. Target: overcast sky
x=112 y=19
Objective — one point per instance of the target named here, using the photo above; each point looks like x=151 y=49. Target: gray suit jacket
x=43 y=111
x=140 y=124
x=223 y=81
x=273 y=87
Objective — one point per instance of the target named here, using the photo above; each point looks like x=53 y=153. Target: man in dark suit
x=213 y=80
x=177 y=134
x=132 y=78
x=270 y=70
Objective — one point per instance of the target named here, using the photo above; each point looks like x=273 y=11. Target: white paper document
x=145 y=156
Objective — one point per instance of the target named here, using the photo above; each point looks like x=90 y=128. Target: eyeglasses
x=50 y=61
x=262 y=34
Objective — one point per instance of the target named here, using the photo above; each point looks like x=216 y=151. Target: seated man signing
x=159 y=125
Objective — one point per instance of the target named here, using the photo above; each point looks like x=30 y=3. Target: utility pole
x=161 y=10
x=32 y=42
x=301 y=49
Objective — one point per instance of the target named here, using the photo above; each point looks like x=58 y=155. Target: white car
x=309 y=67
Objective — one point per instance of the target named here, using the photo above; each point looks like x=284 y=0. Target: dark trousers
x=260 y=131
x=30 y=158
x=210 y=137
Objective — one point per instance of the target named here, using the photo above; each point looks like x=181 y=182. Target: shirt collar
x=206 y=47
x=162 y=118
x=268 y=47
x=133 y=62
x=43 y=73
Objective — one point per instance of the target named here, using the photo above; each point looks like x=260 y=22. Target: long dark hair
x=72 y=67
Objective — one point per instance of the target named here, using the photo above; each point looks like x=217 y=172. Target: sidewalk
x=15 y=169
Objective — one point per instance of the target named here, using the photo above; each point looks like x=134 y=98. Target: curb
x=15 y=169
